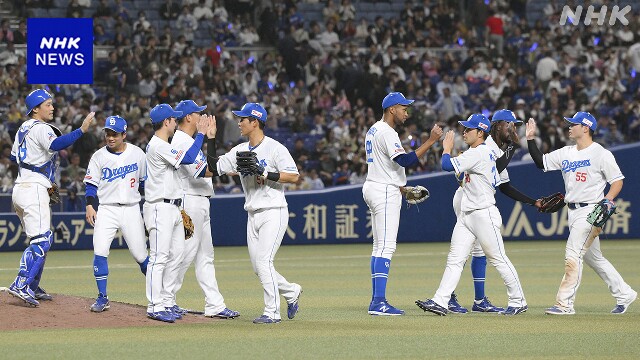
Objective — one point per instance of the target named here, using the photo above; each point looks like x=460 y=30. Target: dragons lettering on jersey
x=568 y=166
x=372 y=131
x=118 y=173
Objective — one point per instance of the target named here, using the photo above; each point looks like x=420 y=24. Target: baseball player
x=265 y=203
x=382 y=191
x=161 y=210
x=35 y=150
x=115 y=174
x=503 y=131
x=197 y=191
x=479 y=217
x=586 y=168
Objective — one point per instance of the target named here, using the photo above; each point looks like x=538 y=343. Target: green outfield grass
x=333 y=320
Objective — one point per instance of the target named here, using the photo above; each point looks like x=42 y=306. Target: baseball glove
x=247 y=163
x=552 y=203
x=415 y=194
x=601 y=213
x=54 y=194
x=188 y=225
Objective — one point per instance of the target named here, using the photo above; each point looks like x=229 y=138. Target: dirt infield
x=69 y=312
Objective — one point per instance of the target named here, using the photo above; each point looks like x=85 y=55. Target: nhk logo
x=60 y=51
x=617 y=14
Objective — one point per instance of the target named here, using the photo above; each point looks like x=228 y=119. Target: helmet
x=35 y=98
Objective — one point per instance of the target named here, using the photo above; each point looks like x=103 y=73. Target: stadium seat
x=57 y=13
x=39 y=13
x=61 y=4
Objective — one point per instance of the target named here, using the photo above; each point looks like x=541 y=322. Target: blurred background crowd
x=321 y=69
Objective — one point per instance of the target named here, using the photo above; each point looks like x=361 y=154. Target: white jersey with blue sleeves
x=163 y=161
x=585 y=172
x=31 y=146
x=382 y=145
x=191 y=183
x=117 y=176
x=261 y=193
x=481 y=177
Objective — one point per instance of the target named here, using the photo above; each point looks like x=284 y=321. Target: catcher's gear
x=247 y=163
x=415 y=194
x=188 y=224
x=601 y=213
x=551 y=203
x=54 y=194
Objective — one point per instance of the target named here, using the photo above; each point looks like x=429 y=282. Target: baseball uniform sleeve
x=466 y=161
x=553 y=160
x=183 y=141
x=142 y=165
x=390 y=144
x=227 y=162
x=284 y=161
x=170 y=154
x=44 y=136
x=610 y=168
x=504 y=177
x=93 y=171
x=14 y=148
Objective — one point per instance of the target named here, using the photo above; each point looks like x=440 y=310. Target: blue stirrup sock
x=479 y=272
x=143 y=266
x=101 y=272
x=380 y=274
x=373 y=281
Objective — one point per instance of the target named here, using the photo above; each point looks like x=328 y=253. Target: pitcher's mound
x=66 y=312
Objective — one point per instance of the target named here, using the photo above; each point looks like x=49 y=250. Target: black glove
x=247 y=163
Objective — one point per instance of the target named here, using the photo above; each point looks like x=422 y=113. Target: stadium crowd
x=322 y=80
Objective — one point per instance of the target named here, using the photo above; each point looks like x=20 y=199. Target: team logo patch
x=587 y=122
x=179 y=154
x=118 y=173
x=483 y=126
x=256 y=113
x=568 y=166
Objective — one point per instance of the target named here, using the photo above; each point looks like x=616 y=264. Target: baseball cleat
x=557 y=310
x=225 y=314
x=512 y=310
x=41 y=294
x=176 y=315
x=265 y=319
x=622 y=308
x=384 y=309
x=454 y=306
x=165 y=316
x=293 y=307
x=25 y=294
x=101 y=304
x=178 y=310
x=431 y=306
x=485 y=306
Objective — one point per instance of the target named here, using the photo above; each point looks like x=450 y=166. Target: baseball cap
x=505 y=115
x=395 y=98
x=477 y=121
x=253 y=110
x=188 y=107
x=584 y=118
x=161 y=112
x=116 y=123
x=35 y=98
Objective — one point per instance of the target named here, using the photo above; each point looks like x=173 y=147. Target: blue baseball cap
x=477 y=121
x=35 y=98
x=188 y=107
x=584 y=118
x=253 y=110
x=161 y=112
x=116 y=123
x=505 y=115
x=395 y=98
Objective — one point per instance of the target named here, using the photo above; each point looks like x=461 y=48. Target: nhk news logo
x=60 y=51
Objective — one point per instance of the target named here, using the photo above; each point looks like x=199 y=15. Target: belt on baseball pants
x=176 y=202
x=574 y=206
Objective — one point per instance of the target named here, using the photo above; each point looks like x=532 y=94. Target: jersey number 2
x=133 y=182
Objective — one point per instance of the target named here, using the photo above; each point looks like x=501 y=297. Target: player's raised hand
x=436 y=133
x=531 y=129
x=211 y=132
x=447 y=143
x=202 y=125
x=91 y=215
x=86 y=123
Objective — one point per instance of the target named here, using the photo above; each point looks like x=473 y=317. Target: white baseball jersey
x=31 y=146
x=504 y=174
x=481 y=177
x=163 y=160
x=585 y=171
x=191 y=183
x=261 y=193
x=117 y=176
x=382 y=145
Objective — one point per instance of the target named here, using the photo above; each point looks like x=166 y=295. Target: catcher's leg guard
x=32 y=260
x=36 y=281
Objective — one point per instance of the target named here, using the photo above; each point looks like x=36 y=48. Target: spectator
x=188 y=24
x=202 y=11
x=170 y=10
x=142 y=21
x=495 y=28
x=20 y=36
x=448 y=105
x=74 y=10
x=103 y=10
x=346 y=11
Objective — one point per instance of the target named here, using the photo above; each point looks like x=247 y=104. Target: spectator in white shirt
x=248 y=36
x=329 y=37
x=202 y=11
